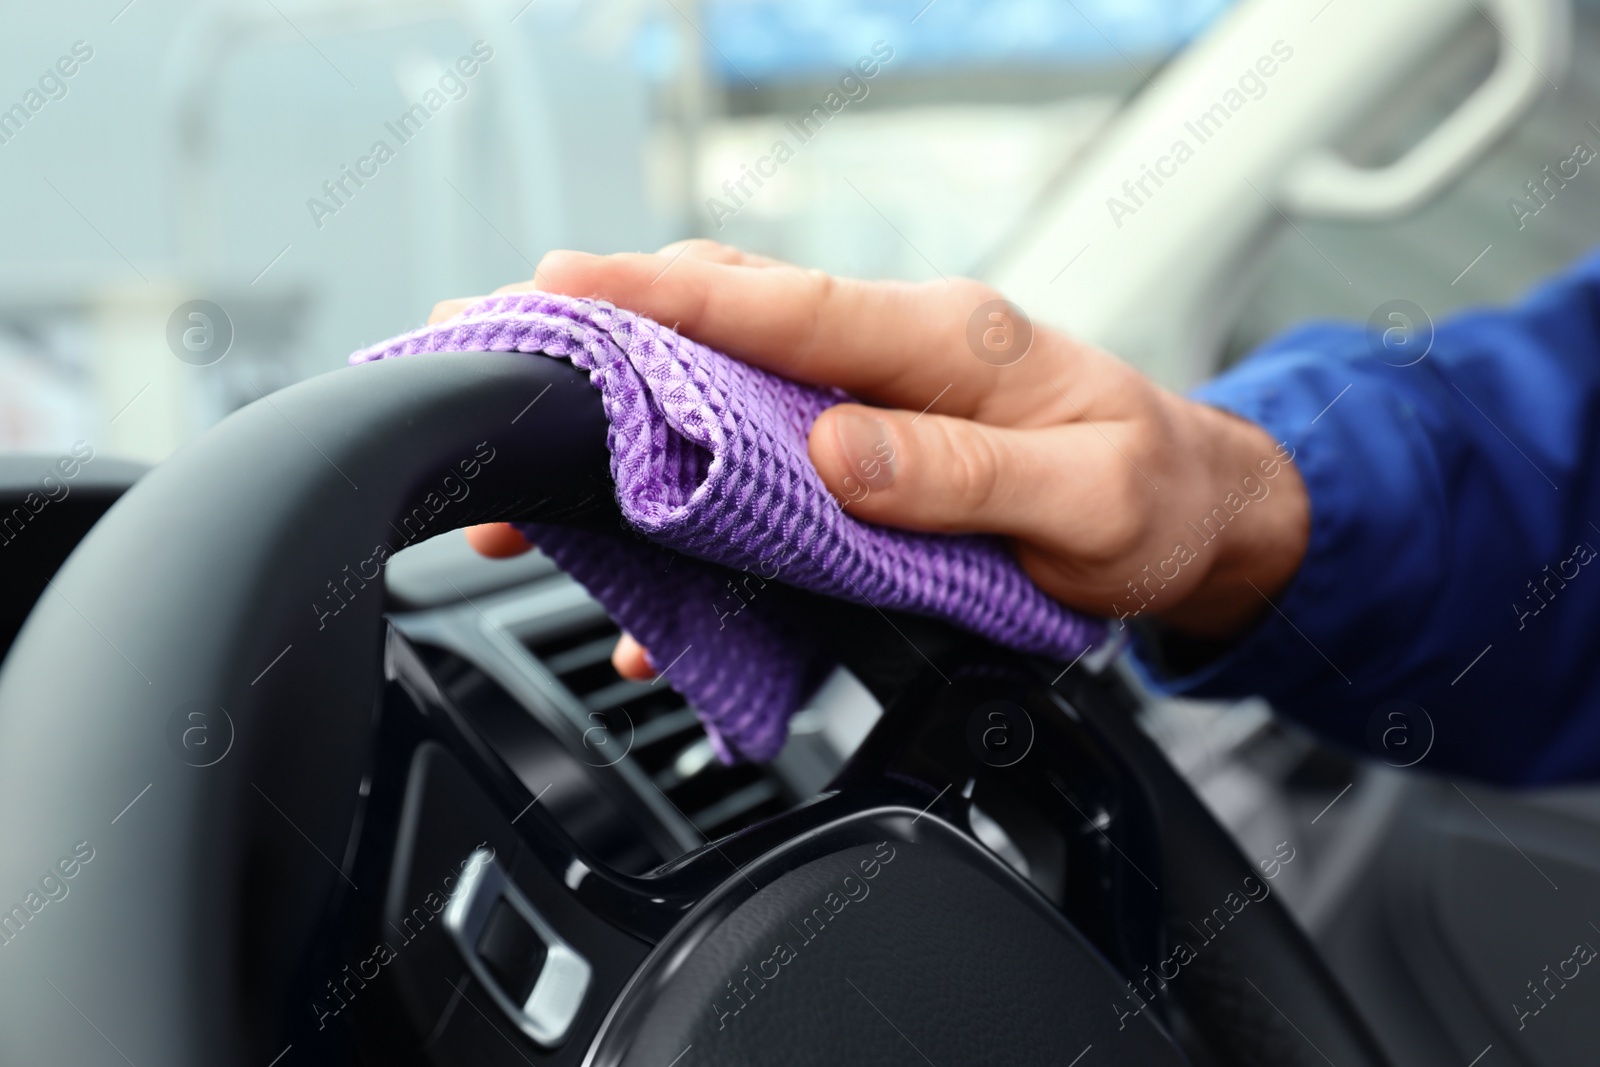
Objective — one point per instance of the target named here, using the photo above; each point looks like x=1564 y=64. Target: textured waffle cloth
x=709 y=459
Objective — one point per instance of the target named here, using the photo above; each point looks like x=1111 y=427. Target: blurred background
x=180 y=162
x=185 y=159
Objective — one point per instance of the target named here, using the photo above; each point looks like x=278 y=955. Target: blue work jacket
x=1450 y=595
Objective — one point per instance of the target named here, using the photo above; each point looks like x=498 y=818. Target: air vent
x=660 y=733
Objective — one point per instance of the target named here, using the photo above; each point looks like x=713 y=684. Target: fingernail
x=866 y=445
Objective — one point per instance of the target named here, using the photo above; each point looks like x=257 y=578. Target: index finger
x=898 y=343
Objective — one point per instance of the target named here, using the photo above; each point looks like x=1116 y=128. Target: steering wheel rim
x=186 y=933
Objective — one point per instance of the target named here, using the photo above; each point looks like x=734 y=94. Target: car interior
x=436 y=826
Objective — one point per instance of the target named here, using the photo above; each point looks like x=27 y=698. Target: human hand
x=1119 y=497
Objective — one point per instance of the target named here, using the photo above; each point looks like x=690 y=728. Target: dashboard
x=625 y=767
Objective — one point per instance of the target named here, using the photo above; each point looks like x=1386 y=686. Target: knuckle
x=822 y=291
x=824 y=286
x=702 y=248
x=1121 y=516
x=972 y=461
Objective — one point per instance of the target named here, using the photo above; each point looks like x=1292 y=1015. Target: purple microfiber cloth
x=709 y=458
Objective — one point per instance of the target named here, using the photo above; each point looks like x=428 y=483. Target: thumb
x=925 y=472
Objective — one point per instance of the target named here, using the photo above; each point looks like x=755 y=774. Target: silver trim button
x=552 y=1006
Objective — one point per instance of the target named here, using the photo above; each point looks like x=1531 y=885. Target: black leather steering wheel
x=240 y=823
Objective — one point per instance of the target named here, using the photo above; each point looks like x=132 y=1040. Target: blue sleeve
x=1455 y=514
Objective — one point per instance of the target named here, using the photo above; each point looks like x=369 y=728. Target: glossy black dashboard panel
x=439 y=790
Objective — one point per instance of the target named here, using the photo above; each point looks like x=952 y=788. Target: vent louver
x=662 y=735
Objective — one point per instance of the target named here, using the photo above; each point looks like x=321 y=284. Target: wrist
x=1261 y=526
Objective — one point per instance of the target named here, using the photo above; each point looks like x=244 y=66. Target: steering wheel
x=241 y=823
